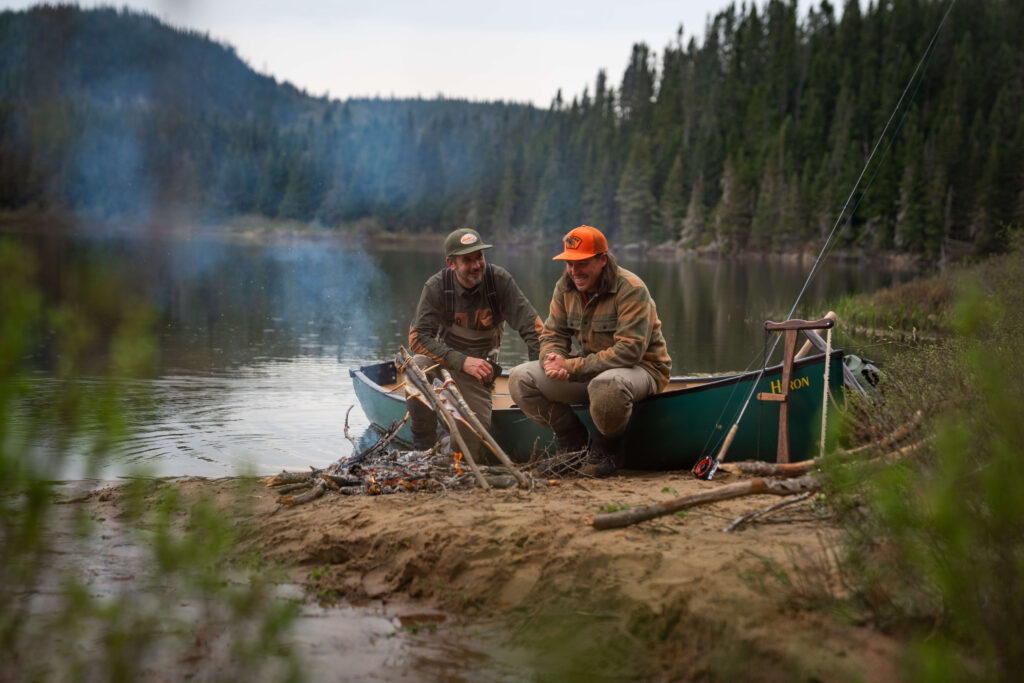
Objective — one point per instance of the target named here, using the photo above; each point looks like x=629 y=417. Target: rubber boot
x=606 y=455
x=423 y=423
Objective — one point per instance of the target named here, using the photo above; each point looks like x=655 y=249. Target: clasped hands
x=554 y=367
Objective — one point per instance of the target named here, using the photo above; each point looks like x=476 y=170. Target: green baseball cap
x=463 y=241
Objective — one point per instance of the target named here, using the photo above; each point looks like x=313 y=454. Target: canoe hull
x=671 y=430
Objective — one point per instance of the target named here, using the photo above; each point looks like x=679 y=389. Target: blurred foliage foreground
x=191 y=607
x=935 y=542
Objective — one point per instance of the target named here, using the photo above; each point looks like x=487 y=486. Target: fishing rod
x=707 y=466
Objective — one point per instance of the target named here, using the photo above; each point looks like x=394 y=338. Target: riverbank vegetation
x=164 y=590
x=749 y=139
x=933 y=541
x=930 y=555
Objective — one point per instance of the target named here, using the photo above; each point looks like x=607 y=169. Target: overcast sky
x=518 y=50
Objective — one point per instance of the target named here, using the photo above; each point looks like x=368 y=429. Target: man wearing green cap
x=459 y=323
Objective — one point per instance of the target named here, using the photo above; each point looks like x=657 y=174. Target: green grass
x=921 y=305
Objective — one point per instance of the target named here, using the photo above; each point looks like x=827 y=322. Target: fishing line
x=828 y=245
x=725 y=404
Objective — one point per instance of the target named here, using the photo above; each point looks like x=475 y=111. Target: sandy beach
x=523 y=581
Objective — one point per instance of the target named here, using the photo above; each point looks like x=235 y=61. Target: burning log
x=380 y=470
x=340 y=480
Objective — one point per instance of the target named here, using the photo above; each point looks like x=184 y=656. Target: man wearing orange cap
x=601 y=344
x=459 y=323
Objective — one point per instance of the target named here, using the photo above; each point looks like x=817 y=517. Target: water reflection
x=256 y=340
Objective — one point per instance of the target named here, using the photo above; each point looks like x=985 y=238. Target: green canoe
x=671 y=430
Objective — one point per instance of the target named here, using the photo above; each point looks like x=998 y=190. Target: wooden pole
x=453 y=390
x=419 y=380
x=805 y=350
x=788 y=349
x=790 y=328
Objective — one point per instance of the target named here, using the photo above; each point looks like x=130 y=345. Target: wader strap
x=490 y=292
x=448 y=278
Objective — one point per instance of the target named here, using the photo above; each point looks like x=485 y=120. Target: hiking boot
x=571 y=451
x=574 y=440
x=606 y=455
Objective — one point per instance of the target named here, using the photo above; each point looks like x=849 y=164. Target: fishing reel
x=492 y=359
x=705 y=468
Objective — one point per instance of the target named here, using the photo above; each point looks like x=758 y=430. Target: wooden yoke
x=791 y=328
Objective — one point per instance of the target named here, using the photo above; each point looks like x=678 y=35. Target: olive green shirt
x=473 y=320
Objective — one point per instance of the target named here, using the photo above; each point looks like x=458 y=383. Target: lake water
x=256 y=341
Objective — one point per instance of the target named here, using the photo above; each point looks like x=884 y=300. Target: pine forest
x=748 y=138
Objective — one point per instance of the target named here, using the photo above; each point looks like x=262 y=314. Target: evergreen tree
x=732 y=216
x=695 y=223
x=636 y=96
x=505 y=216
x=910 y=221
x=638 y=210
x=674 y=201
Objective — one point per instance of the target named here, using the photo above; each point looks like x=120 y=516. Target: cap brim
x=572 y=256
x=470 y=250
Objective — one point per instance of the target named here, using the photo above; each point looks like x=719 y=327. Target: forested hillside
x=748 y=139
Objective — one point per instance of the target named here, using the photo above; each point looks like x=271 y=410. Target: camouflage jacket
x=474 y=332
x=615 y=329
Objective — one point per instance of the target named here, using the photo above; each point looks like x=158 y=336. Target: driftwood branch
x=764 y=512
x=759 y=468
x=760 y=485
x=379 y=447
x=789 y=479
x=355 y=446
x=314 y=493
x=897 y=434
x=290 y=488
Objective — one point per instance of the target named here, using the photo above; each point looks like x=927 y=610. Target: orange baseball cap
x=582 y=242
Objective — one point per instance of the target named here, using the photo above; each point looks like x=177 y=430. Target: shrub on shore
x=935 y=543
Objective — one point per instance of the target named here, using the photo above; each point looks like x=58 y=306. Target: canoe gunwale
x=702 y=383
x=725 y=380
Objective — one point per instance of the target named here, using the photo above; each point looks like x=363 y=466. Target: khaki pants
x=611 y=396
x=423 y=420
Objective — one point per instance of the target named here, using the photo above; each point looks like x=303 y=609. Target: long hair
x=609 y=274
